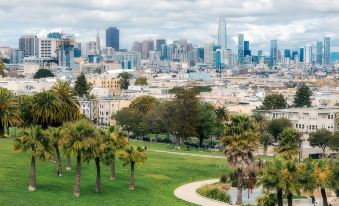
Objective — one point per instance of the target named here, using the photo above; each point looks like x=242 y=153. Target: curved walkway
x=189 y=154
x=188 y=193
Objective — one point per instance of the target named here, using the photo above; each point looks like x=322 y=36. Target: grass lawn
x=155 y=181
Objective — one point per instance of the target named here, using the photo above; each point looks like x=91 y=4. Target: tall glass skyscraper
x=308 y=54
x=247 y=51
x=301 y=54
x=222 y=34
x=29 y=44
x=319 y=53
x=159 y=43
x=327 y=50
x=274 y=52
x=240 y=48
x=112 y=38
x=66 y=51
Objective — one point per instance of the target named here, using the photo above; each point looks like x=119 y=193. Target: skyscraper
x=222 y=35
x=66 y=51
x=112 y=38
x=301 y=55
x=98 y=48
x=287 y=53
x=240 y=48
x=274 y=52
x=327 y=50
x=247 y=51
x=308 y=54
x=29 y=44
x=159 y=43
x=48 y=48
x=137 y=46
x=147 y=46
x=319 y=53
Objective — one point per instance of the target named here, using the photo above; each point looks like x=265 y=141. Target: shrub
x=224 y=178
x=213 y=192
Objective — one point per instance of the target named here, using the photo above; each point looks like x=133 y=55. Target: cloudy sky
x=293 y=23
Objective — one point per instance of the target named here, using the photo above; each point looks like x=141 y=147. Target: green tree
x=320 y=138
x=266 y=139
x=222 y=113
x=276 y=126
x=288 y=143
x=267 y=199
x=260 y=121
x=25 y=104
x=82 y=88
x=324 y=175
x=274 y=101
x=10 y=114
x=240 y=141
x=143 y=104
x=2 y=68
x=54 y=134
x=78 y=139
x=133 y=156
x=34 y=140
x=199 y=89
x=43 y=73
x=156 y=120
x=124 y=80
x=130 y=120
x=206 y=122
x=334 y=142
x=303 y=96
x=289 y=179
x=142 y=81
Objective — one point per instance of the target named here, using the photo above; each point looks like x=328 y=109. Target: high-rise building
x=29 y=44
x=159 y=43
x=247 y=51
x=66 y=51
x=274 y=52
x=77 y=50
x=137 y=46
x=91 y=48
x=308 y=54
x=164 y=52
x=16 y=56
x=147 y=46
x=48 y=48
x=319 y=53
x=294 y=55
x=327 y=50
x=240 y=48
x=222 y=33
x=260 y=53
x=97 y=41
x=287 y=53
x=301 y=55
x=112 y=38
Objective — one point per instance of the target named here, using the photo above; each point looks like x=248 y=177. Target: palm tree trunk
x=289 y=199
x=68 y=162
x=98 y=180
x=239 y=187
x=76 y=191
x=113 y=175
x=58 y=160
x=32 y=179
x=131 y=185
x=280 y=196
x=323 y=195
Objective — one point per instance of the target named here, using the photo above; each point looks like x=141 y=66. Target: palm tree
x=289 y=143
x=10 y=114
x=112 y=141
x=67 y=96
x=55 y=134
x=47 y=109
x=78 y=139
x=260 y=121
x=131 y=156
x=222 y=113
x=266 y=139
x=322 y=170
x=240 y=141
x=289 y=179
x=34 y=140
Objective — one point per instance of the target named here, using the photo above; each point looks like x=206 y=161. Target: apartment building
x=108 y=82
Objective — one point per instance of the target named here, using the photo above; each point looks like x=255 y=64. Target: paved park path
x=190 y=154
x=188 y=193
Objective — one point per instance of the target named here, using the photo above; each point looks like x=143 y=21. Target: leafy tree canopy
x=274 y=101
x=43 y=73
x=303 y=96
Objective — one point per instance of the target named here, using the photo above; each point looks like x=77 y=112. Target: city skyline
x=259 y=21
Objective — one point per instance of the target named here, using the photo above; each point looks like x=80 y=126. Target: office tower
x=274 y=52
x=301 y=55
x=146 y=47
x=199 y=55
x=54 y=35
x=327 y=50
x=97 y=41
x=91 y=48
x=240 y=48
x=294 y=55
x=247 y=51
x=77 y=49
x=222 y=34
x=16 y=56
x=112 y=38
x=319 y=53
x=287 y=53
x=48 y=48
x=164 y=52
x=66 y=51
x=29 y=44
x=137 y=46
x=308 y=54
x=129 y=60
x=159 y=43
x=260 y=53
